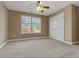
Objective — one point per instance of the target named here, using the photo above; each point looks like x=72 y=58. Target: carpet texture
x=40 y=48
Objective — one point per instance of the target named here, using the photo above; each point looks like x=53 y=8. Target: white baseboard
x=28 y=38
x=75 y=42
x=35 y=38
x=68 y=42
x=64 y=41
x=3 y=44
x=71 y=43
x=21 y=39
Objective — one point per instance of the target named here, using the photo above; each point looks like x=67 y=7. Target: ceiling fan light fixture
x=38 y=8
x=40 y=3
x=41 y=7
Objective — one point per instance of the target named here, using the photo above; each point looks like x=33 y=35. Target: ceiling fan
x=41 y=6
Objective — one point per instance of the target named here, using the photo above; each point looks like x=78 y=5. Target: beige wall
x=71 y=35
x=13 y=29
x=3 y=22
x=14 y=25
x=71 y=26
x=74 y=24
x=77 y=24
x=70 y=23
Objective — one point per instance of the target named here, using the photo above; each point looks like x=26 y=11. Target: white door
x=56 y=27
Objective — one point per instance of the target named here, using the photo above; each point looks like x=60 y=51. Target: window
x=30 y=24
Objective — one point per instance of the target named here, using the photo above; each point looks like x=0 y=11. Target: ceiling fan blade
x=38 y=1
x=42 y=10
x=46 y=7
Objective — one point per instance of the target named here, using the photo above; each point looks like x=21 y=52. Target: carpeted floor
x=40 y=48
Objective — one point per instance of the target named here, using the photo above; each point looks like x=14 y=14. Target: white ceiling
x=30 y=6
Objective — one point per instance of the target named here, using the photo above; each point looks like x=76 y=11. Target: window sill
x=31 y=33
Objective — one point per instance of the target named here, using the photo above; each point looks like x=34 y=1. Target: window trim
x=31 y=25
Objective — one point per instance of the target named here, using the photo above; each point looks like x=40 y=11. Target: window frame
x=31 y=25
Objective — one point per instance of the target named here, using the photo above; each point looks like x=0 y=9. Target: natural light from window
x=30 y=24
